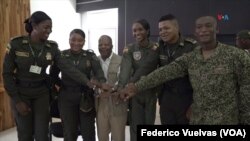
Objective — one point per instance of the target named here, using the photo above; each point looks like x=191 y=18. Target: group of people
x=196 y=82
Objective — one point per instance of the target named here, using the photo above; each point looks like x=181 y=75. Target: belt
x=31 y=84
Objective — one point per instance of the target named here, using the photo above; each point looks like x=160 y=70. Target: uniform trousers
x=110 y=122
x=173 y=108
x=142 y=111
x=75 y=122
x=35 y=124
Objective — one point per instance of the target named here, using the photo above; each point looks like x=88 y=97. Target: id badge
x=35 y=69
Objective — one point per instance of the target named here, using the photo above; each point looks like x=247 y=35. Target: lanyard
x=33 y=54
x=76 y=62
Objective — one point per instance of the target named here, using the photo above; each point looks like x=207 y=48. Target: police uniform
x=72 y=93
x=24 y=76
x=176 y=95
x=137 y=62
x=221 y=84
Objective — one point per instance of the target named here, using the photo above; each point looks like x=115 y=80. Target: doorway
x=100 y=22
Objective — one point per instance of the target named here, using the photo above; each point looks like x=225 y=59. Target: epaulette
x=91 y=53
x=65 y=53
x=191 y=40
x=23 y=39
x=90 y=50
x=51 y=43
x=16 y=37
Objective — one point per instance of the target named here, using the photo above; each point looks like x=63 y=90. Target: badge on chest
x=35 y=69
x=137 y=55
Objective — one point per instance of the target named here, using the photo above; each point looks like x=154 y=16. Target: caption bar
x=240 y=132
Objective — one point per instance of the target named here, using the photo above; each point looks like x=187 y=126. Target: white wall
x=64 y=18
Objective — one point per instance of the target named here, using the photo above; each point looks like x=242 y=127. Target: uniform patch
x=24 y=41
x=48 y=56
x=137 y=55
x=23 y=54
x=220 y=70
x=8 y=48
x=88 y=64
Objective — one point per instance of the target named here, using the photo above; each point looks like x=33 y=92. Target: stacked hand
x=129 y=91
x=106 y=90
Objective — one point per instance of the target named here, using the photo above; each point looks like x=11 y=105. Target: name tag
x=35 y=69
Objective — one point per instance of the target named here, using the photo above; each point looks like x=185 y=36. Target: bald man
x=111 y=116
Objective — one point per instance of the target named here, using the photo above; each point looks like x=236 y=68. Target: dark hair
x=144 y=24
x=167 y=17
x=36 y=18
x=78 y=31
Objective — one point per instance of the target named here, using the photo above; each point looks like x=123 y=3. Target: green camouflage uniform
x=143 y=106
x=31 y=88
x=221 y=84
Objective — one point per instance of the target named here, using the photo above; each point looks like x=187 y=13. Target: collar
x=108 y=59
x=180 y=42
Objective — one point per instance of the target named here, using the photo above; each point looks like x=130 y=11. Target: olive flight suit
x=142 y=107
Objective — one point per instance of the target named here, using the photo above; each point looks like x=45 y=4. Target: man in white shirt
x=111 y=116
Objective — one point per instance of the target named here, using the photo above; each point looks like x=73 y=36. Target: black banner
x=217 y=132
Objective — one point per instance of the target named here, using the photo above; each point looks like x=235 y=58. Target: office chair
x=55 y=127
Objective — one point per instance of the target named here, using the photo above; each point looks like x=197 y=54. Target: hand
x=129 y=91
x=57 y=88
x=22 y=108
x=106 y=90
x=95 y=83
x=106 y=87
x=104 y=94
x=90 y=85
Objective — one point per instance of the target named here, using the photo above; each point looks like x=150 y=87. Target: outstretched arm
x=178 y=68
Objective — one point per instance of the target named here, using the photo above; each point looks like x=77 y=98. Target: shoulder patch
x=191 y=40
x=8 y=48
